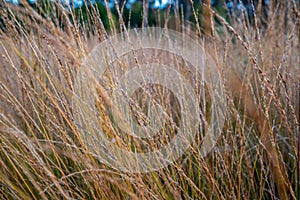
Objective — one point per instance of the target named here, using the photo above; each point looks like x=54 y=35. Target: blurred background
x=154 y=9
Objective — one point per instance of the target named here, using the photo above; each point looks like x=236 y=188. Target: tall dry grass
x=42 y=154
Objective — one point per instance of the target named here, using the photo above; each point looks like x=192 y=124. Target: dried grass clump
x=42 y=153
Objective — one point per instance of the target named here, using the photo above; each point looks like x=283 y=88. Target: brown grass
x=42 y=153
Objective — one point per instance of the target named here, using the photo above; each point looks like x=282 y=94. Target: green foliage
x=84 y=14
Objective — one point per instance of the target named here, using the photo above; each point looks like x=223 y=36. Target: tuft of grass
x=42 y=153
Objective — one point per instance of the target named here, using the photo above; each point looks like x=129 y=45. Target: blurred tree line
x=138 y=13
